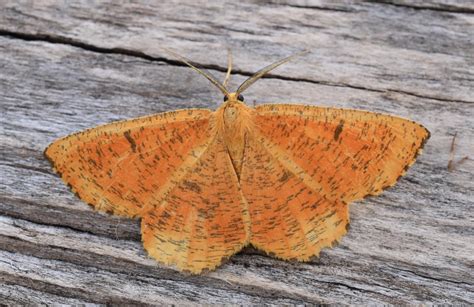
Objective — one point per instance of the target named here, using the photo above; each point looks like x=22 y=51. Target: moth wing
x=305 y=164
x=349 y=153
x=202 y=217
x=121 y=167
x=288 y=218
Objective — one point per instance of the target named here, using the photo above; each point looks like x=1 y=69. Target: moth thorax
x=231 y=114
x=236 y=119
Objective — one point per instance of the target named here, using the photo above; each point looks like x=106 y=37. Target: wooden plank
x=410 y=245
x=376 y=46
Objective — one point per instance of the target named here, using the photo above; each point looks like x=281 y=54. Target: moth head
x=234 y=97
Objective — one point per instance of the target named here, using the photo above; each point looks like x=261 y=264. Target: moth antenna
x=229 y=67
x=207 y=75
x=251 y=80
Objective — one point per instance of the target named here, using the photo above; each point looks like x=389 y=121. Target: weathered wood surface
x=66 y=67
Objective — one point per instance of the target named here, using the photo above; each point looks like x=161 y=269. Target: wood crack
x=43 y=214
x=430 y=277
x=445 y=8
x=28 y=167
x=50 y=288
x=352 y=287
x=316 y=7
x=134 y=53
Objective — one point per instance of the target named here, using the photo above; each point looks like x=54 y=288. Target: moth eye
x=226 y=97
x=240 y=97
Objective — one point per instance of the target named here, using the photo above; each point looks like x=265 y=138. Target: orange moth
x=207 y=183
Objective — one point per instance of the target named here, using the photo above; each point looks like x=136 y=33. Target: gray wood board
x=67 y=68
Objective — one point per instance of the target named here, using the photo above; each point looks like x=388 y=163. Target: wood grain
x=67 y=67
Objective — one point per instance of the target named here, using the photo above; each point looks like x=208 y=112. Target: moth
x=207 y=183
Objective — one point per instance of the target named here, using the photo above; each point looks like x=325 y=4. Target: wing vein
x=287 y=162
x=177 y=176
